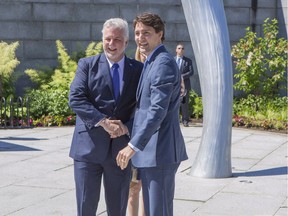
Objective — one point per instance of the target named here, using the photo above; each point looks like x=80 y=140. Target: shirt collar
x=120 y=63
x=149 y=56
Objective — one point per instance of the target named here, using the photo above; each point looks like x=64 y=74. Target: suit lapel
x=146 y=70
x=127 y=76
x=105 y=71
x=143 y=77
x=183 y=62
x=181 y=66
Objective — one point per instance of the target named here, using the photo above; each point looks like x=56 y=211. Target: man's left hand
x=124 y=156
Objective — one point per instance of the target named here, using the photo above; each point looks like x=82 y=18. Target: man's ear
x=161 y=35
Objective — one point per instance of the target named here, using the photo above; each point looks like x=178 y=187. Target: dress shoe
x=185 y=124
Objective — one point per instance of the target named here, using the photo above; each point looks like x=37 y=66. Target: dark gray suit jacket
x=91 y=98
x=186 y=71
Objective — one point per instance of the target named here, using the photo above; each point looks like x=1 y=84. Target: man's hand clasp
x=114 y=127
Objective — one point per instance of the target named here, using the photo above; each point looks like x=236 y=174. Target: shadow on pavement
x=22 y=138
x=266 y=172
x=5 y=146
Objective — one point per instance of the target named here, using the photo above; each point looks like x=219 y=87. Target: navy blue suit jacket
x=91 y=98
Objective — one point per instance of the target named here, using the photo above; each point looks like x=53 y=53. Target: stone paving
x=37 y=175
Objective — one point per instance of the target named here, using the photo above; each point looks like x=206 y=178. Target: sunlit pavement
x=37 y=175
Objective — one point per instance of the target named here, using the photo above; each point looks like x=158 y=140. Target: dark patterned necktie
x=116 y=80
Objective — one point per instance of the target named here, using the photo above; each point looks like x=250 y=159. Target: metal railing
x=14 y=113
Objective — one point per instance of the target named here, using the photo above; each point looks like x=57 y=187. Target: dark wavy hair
x=152 y=20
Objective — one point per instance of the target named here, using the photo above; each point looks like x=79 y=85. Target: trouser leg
x=88 y=183
x=116 y=183
x=158 y=185
x=185 y=109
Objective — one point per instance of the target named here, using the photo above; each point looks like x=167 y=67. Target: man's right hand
x=114 y=127
x=110 y=127
x=122 y=128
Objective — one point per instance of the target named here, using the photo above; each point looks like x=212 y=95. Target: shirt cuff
x=133 y=147
x=98 y=124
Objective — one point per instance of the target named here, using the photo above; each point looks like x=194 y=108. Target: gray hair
x=117 y=23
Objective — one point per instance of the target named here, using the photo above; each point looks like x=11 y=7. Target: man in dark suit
x=104 y=88
x=157 y=146
x=186 y=70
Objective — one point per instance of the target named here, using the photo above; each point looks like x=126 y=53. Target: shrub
x=261 y=62
x=261 y=111
x=49 y=102
x=195 y=105
x=8 y=62
x=61 y=77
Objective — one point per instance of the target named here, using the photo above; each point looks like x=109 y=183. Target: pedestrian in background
x=186 y=70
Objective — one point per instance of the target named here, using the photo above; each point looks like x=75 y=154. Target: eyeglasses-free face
x=146 y=38
x=180 y=50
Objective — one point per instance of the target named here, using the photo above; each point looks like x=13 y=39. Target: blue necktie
x=116 y=81
x=179 y=62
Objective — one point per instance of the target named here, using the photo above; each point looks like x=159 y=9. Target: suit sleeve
x=79 y=100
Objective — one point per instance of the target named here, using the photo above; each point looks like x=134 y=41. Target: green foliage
x=13 y=111
x=253 y=111
x=94 y=49
x=40 y=77
x=61 y=77
x=47 y=121
x=261 y=111
x=262 y=107
x=49 y=102
x=8 y=62
x=261 y=61
x=195 y=105
x=64 y=74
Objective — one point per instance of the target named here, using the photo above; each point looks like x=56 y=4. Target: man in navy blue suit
x=104 y=89
x=157 y=146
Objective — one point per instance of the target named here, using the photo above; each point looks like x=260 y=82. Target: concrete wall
x=36 y=24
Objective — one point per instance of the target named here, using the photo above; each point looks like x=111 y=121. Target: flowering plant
x=261 y=61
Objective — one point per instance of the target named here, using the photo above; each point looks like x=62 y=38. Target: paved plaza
x=37 y=175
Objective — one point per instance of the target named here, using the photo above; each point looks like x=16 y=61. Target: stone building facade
x=37 y=24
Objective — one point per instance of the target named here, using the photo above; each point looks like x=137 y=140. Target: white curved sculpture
x=210 y=40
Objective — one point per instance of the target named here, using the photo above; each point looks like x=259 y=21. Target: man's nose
x=112 y=41
x=141 y=36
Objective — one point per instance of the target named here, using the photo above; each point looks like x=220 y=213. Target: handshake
x=114 y=127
